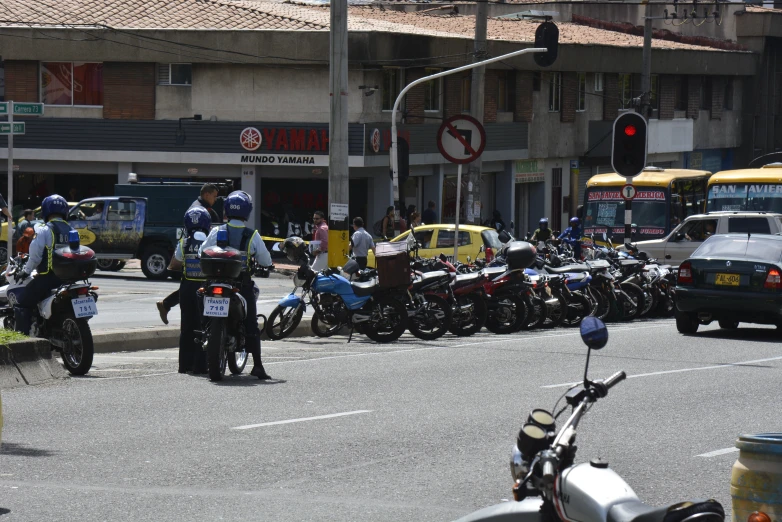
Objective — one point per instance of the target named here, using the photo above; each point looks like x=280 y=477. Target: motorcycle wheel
x=578 y=307
x=665 y=305
x=464 y=324
x=237 y=361
x=604 y=305
x=321 y=328
x=556 y=314
x=431 y=327
x=633 y=308
x=509 y=315
x=536 y=315
x=77 y=355
x=283 y=321
x=9 y=323
x=650 y=302
x=215 y=349
x=389 y=320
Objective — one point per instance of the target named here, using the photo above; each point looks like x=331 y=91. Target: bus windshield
x=731 y=197
x=605 y=208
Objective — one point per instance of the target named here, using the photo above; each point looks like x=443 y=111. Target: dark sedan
x=731 y=278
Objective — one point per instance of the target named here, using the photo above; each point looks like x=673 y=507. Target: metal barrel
x=756 y=479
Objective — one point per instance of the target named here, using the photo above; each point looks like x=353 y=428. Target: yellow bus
x=746 y=189
x=664 y=198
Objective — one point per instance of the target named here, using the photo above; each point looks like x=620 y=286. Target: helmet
x=574 y=221
x=294 y=248
x=54 y=204
x=197 y=218
x=544 y=221
x=238 y=205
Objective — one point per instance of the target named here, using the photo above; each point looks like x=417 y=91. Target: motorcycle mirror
x=276 y=247
x=594 y=333
x=469 y=259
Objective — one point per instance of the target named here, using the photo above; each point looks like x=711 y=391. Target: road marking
x=303 y=419
x=128 y=377
x=681 y=370
x=140 y=358
x=717 y=453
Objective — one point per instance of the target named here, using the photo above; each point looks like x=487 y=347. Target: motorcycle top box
x=520 y=254
x=74 y=264
x=219 y=262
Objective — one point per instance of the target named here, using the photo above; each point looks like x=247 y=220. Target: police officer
x=543 y=232
x=186 y=259
x=238 y=206
x=572 y=236
x=51 y=235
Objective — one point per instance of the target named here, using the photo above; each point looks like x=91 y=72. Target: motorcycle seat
x=431 y=277
x=364 y=289
x=631 y=262
x=468 y=279
x=637 y=511
x=577 y=276
x=598 y=264
x=566 y=269
x=494 y=271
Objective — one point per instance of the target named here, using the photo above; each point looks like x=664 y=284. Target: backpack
x=377 y=228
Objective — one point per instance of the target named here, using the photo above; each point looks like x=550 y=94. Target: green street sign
x=3 y=108
x=5 y=128
x=26 y=109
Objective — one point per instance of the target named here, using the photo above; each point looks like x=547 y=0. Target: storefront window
x=72 y=83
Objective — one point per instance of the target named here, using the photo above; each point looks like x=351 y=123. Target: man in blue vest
x=186 y=259
x=237 y=208
x=51 y=235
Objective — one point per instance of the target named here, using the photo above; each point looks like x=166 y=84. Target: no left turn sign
x=628 y=192
x=461 y=139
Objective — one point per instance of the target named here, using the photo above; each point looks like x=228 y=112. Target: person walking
x=414 y=219
x=361 y=242
x=320 y=241
x=429 y=216
x=26 y=221
x=387 y=224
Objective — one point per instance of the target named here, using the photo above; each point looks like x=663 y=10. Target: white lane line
x=132 y=358
x=681 y=370
x=303 y=419
x=717 y=453
x=128 y=377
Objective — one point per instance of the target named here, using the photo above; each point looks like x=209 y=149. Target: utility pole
x=646 y=73
x=338 y=135
x=477 y=94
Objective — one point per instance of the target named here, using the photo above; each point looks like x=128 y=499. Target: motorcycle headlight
x=518 y=468
x=298 y=281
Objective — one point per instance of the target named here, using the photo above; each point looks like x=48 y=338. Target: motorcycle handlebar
x=615 y=379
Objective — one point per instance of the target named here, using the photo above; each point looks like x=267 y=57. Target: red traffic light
x=630 y=130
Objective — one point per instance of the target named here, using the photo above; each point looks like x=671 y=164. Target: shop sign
x=283 y=159
x=529 y=171
x=250 y=139
x=280 y=139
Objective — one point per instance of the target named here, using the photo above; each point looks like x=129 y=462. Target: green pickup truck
x=142 y=221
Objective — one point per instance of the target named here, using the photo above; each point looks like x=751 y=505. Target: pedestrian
x=320 y=241
x=26 y=222
x=24 y=242
x=238 y=206
x=187 y=260
x=496 y=221
x=361 y=242
x=206 y=200
x=429 y=216
x=387 y=225
x=414 y=219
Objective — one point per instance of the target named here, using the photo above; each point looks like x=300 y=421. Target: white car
x=688 y=236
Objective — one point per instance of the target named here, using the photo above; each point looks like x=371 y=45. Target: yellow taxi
x=474 y=241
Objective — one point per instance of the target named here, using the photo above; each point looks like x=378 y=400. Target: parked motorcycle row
x=522 y=287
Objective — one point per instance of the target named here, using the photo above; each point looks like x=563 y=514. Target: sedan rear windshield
x=491 y=239
x=741 y=247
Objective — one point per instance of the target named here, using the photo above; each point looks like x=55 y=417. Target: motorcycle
x=63 y=316
x=550 y=487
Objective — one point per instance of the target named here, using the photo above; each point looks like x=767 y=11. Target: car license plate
x=728 y=279
x=84 y=307
x=216 y=306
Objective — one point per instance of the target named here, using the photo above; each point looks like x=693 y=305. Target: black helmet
x=294 y=248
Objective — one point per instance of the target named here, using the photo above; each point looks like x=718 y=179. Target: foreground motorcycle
x=63 y=316
x=549 y=487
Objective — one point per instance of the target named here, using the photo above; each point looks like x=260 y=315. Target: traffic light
x=628 y=153
x=546 y=35
x=402 y=160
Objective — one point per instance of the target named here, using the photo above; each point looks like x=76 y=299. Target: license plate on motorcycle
x=216 y=306
x=84 y=307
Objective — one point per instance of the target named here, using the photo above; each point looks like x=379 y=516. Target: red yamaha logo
x=250 y=139
x=375 y=140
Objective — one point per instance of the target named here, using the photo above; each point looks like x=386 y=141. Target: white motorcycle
x=63 y=316
x=549 y=487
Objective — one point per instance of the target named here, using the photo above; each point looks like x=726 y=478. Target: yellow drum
x=756 y=480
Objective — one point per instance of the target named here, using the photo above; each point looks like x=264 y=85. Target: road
x=127 y=299
x=409 y=431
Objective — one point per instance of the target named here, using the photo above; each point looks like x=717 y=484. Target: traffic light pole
x=628 y=216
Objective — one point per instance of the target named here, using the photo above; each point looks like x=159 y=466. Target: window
x=555 y=92
x=121 y=211
x=503 y=91
x=681 y=93
x=88 y=210
x=705 y=89
x=424 y=238
x=175 y=74
x=599 y=79
x=72 y=83
x=445 y=238
x=391 y=80
x=757 y=225
x=728 y=96
x=626 y=91
x=581 y=101
x=536 y=77
x=698 y=229
x=466 y=92
x=432 y=90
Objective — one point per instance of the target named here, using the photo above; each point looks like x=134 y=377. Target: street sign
x=3 y=108
x=27 y=109
x=5 y=128
x=628 y=192
x=461 y=139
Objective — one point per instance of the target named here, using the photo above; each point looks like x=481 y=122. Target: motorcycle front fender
x=290 y=301
x=528 y=510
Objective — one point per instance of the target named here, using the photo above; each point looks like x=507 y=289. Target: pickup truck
x=693 y=231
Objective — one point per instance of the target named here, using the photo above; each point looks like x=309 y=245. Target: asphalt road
x=127 y=299
x=412 y=431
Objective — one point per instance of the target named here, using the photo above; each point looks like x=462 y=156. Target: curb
x=28 y=362
x=137 y=339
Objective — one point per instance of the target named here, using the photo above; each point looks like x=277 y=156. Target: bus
x=664 y=198
x=746 y=189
